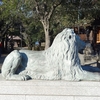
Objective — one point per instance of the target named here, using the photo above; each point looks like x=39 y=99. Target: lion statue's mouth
x=59 y=62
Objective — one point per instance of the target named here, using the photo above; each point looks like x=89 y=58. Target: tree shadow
x=90 y=68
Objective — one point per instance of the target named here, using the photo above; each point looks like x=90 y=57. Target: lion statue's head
x=62 y=56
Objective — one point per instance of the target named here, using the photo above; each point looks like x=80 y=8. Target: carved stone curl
x=59 y=62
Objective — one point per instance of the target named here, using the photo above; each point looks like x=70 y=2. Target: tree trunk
x=47 y=38
x=6 y=42
x=46 y=27
x=29 y=42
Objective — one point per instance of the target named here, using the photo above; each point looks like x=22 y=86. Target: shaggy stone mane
x=59 y=62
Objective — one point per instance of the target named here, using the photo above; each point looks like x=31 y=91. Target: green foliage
x=9 y=9
x=28 y=13
x=35 y=32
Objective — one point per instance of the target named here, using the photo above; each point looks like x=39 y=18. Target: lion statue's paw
x=25 y=77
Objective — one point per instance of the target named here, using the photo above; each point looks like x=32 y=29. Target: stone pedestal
x=49 y=90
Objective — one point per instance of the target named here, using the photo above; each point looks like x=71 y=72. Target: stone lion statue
x=59 y=62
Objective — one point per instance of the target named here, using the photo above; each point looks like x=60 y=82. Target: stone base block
x=49 y=90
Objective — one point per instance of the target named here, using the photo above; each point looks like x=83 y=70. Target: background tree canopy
x=42 y=19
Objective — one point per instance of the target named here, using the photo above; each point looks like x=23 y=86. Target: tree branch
x=53 y=8
x=6 y=28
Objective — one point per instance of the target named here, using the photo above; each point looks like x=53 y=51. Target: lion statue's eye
x=70 y=37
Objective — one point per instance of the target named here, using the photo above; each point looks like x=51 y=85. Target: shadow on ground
x=91 y=68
